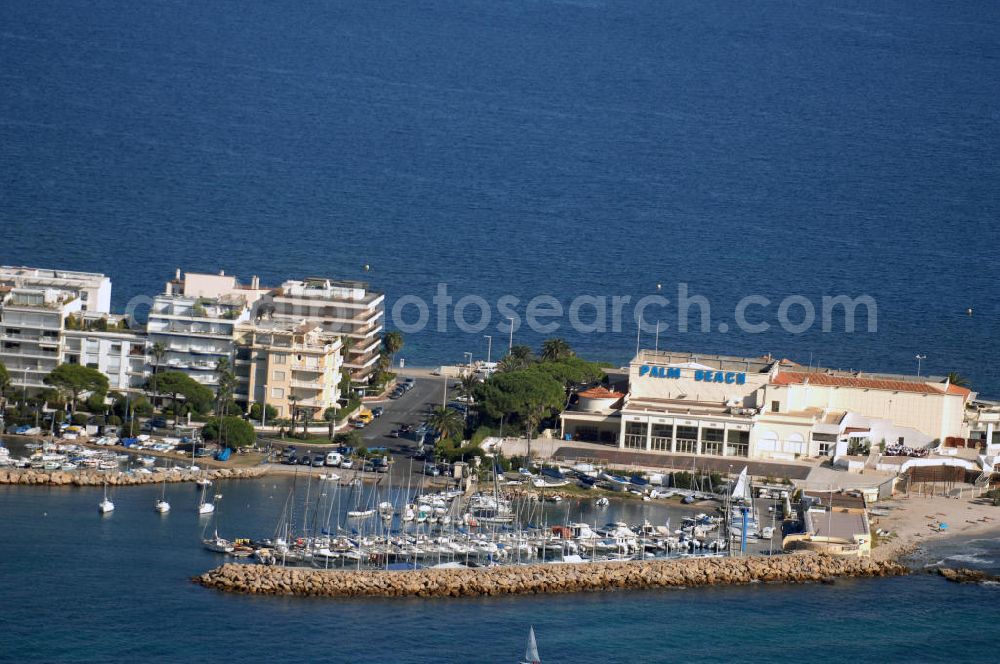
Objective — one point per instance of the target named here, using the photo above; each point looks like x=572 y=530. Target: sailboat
x=531 y=652
x=105 y=505
x=162 y=506
x=205 y=507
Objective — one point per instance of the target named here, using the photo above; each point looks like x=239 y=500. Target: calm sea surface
x=521 y=148
x=527 y=148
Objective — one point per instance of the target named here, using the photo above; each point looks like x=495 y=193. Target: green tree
x=957 y=379
x=351 y=438
x=270 y=412
x=555 y=349
x=226 y=384
x=447 y=422
x=76 y=379
x=392 y=343
x=158 y=352
x=520 y=394
x=196 y=397
x=229 y=430
x=330 y=415
x=572 y=371
x=5 y=384
x=96 y=403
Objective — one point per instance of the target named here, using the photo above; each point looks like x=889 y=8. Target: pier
x=537 y=579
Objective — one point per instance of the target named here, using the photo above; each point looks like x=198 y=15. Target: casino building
x=762 y=408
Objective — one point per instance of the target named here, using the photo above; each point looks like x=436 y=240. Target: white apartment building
x=31 y=331
x=93 y=289
x=347 y=308
x=288 y=365
x=106 y=344
x=195 y=320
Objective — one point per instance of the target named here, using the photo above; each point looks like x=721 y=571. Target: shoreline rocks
x=94 y=478
x=966 y=575
x=537 y=579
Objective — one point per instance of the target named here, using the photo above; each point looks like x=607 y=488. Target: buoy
x=968 y=312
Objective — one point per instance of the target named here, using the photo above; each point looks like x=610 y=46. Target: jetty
x=548 y=578
x=116 y=478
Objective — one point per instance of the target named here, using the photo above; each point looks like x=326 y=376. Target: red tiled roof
x=600 y=393
x=826 y=380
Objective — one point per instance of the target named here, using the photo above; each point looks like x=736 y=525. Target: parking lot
x=411 y=409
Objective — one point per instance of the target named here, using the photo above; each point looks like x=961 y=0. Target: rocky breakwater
x=94 y=478
x=535 y=579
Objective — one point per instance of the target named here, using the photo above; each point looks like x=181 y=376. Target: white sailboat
x=105 y=506
x=205 y=507
x=531 y=652
x=162 y=506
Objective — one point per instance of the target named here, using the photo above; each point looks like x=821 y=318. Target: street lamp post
x=510 y=344
x=920 y=358
x=489 y=347
x=469 y=363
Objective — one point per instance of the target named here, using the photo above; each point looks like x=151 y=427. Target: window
x=278 y=392
x=775 y=406
x=279 y=375
x=280 y=358
x=11 y=345
x=635 y=435
x=662 y=434
x=738 y=443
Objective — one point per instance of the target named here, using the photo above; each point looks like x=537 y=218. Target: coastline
x=913 y=521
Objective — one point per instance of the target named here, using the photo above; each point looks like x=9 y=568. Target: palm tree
x=556 y=349
x=520 y=357
x=158 y=351
x=392 y=342
x=957 y=379
x=330 y=415
x=5 y=384
x=447 y=422
x=294 y=411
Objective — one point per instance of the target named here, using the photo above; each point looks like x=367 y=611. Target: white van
x=334 y=459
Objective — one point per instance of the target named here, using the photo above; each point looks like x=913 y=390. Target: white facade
x=194 y=333
x=347 y=308
x=118 y=354
x=93 y=289
x=31 y=332
x=770 y=409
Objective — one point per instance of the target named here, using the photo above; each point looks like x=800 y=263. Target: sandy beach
x=914 y=520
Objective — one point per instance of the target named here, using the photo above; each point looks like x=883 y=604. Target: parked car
x=158 y=422
x=368 y=467
x=305 y=460
x=395 y=433
x=318 y=461
x=377 y=411
x=347 y=464
x=359 y=424
x=334 y=459
x=290 y=460
x=431 y=469
x=409 y=380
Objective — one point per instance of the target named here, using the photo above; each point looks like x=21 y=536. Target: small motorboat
x=162 y=506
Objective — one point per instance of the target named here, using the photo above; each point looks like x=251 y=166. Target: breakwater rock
x=534 y=579
x=94 y=478
x=966 y=575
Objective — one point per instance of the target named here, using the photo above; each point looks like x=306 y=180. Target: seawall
x=535 y=579
x=94 y=478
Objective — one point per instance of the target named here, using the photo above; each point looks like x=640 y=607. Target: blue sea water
x=523 y=147
x=527 y=147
